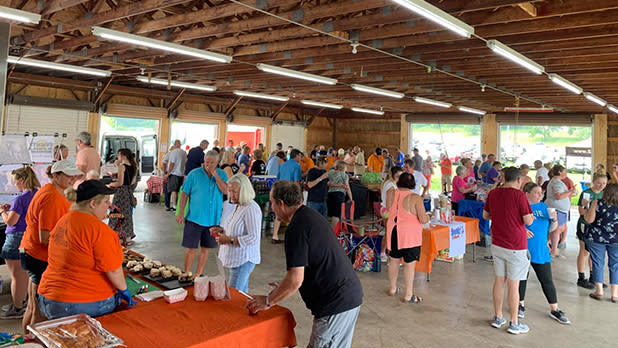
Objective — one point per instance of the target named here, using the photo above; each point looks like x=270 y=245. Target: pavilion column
x=164 y=138
x=404 y=137
x=5 y=35
x=94 y=125
x=599 y=140
x=489 y=135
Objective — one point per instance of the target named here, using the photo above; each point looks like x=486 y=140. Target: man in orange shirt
x=87 y=158
x=446 y=167
x=375 y=162
x=84 y=272
x=306 y=163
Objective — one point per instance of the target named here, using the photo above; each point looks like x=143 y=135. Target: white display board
x=288 y=135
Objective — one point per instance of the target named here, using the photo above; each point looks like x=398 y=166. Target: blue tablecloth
x=474 y=209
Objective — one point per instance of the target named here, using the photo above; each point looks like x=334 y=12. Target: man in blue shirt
x=398 y=157
x=486 y=166
x=290 y=170
x=206 y=188
x=195 y=157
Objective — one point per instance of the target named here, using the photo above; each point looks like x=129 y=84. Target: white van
x=144 y=146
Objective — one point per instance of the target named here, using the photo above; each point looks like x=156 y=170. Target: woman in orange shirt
x=84 y=274
x=47 y=207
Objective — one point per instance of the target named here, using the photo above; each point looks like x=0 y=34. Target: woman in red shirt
x=84 y=274
x=47 y=207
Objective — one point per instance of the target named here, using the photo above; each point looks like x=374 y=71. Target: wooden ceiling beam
x=232 y=106
x=171 y=104
x=99 y=18
x=103 y=90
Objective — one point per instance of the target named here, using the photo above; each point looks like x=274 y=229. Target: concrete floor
x=456 y=310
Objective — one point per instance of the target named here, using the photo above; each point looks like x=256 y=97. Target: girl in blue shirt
x=540 y=259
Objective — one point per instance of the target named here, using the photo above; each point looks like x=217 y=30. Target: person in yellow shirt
x=375 y=162
x=306 y=163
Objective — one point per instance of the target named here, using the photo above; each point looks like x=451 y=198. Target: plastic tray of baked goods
x=78 y=330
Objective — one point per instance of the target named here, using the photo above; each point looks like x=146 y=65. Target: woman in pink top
x=460 y=187
x=404 y=234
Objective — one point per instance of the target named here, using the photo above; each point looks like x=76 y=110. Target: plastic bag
x=200 y=288
x=218 y=287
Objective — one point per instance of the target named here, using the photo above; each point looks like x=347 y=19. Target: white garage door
x=47 y=121
x=288 y=135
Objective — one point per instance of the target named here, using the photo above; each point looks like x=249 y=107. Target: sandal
x=398 y=290
x=596 y=296
x=614 y=299
x=414 y=299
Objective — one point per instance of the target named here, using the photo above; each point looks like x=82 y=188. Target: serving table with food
x=196 y=312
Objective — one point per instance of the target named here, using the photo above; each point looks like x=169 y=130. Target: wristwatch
x=232 y=241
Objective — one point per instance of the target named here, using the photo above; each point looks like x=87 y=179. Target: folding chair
x=352 y=235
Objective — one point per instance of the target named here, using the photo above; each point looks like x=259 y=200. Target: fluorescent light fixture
x=57 y=66
x=19 y=15
x=432 y=102
x=561 y=81
x=612 y=108
x=527 y=109
x=515 y=56
x=438 y=16
x=158 y=44
x=296 y=74
x=261 y=96
x=471 y=110
x=593 y=98
x=380 y=91
x=322 y=105
x=368 y=111
x=163 y=82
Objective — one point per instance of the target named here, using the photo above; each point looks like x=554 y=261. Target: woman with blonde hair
x=228 y=163
x=84 y=274
x=239 y=237
x=47 y=207
x=14 y=216
x=524 y=169
x=559 y=198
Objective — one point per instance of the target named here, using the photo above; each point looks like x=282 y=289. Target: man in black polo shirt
x=318 y=267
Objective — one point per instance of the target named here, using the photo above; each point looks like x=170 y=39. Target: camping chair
x=352 y=235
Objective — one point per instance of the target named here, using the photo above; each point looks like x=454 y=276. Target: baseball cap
x=90 y=188
x=67 y=167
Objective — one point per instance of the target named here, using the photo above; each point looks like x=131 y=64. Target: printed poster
x=457 y=244
x=42 y=149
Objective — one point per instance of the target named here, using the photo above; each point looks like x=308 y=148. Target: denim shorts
x=10 y=249
x=55 y=309
x=33 y=266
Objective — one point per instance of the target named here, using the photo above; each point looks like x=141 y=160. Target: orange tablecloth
x=201 y=324
x=437 y=238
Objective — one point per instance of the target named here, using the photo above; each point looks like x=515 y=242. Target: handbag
x=133 y=201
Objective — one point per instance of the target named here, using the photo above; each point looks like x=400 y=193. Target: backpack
x=364 y=259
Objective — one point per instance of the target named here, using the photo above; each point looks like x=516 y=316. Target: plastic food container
x=176 y=295
x=55 y=333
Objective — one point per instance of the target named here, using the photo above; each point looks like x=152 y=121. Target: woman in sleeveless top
x=404 y=234
x=123 y=197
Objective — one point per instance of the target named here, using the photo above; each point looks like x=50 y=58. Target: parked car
x=144 y=147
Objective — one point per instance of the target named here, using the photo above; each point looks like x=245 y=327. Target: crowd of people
x=60 y=227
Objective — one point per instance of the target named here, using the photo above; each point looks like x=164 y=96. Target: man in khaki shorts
x=509 y=212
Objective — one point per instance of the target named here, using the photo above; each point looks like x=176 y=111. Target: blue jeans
x=239 y=276
x=597 y=255
x=54 y=309
x=320 y=207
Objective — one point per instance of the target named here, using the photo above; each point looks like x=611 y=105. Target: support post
x=489 y=134
x=599 y=140
x=5 y=35
x=404 y=135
